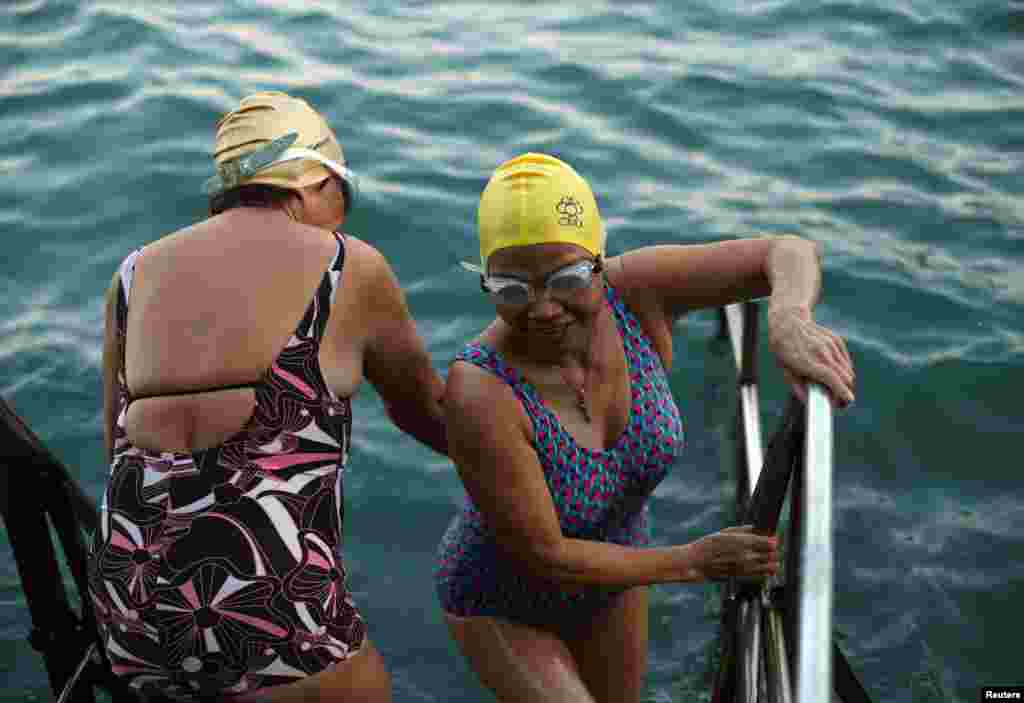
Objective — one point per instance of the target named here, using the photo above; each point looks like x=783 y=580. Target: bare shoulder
x=370 y=275
x=487 y=426
x=475 y=398
x=468 y=386
x=625 y=275
x=365 y=255
x=356 y=247
x=622 y=277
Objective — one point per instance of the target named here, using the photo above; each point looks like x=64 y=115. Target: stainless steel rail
x=749 y=612
x=760 y=626
x=814 y=646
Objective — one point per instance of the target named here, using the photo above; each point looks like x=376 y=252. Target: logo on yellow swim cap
x=538 y=199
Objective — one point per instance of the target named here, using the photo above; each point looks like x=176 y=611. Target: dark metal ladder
x=44 y=510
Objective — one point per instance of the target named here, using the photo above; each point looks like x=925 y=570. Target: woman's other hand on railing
x=806 y=351
x=735 y=552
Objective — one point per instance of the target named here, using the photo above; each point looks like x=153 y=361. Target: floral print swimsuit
x=219 y=571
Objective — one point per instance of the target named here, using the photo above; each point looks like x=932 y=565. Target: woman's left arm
x=675 y=279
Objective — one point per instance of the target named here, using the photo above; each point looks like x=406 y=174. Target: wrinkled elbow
x=544 y=559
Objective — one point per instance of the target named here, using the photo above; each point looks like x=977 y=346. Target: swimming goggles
x=230 y=173
x=561 y=283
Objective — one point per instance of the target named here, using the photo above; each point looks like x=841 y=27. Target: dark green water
x=891 y=132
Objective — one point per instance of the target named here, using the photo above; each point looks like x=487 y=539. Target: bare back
x=211 y=306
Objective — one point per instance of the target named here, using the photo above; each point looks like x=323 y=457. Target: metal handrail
x=814 y=645
x=760 y=629
x=749 y=615
x=749 y=404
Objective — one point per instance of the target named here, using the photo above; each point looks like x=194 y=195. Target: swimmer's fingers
x=736 y=551
x=807 y=351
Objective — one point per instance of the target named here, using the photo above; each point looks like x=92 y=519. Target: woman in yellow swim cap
x=561 y=423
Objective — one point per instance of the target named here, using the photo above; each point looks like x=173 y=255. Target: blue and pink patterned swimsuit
x=218 y=572
x=599 y=494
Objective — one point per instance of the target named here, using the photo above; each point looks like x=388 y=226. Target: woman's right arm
x=489 y=443
x=111 y=366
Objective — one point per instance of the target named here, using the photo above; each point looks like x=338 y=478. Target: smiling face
x=545 y=317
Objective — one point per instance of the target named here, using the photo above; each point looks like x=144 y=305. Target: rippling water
x=890 y=132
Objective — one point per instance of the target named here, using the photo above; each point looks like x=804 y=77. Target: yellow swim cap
x=536 y=199
x=263 y=117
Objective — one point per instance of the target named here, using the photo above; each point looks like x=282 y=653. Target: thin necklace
x=581 y=394
x=581 y=390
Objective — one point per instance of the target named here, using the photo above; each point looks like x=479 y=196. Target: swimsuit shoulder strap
x=314 y=321
x=126 y=272
x=485 y=357
x=639 y=348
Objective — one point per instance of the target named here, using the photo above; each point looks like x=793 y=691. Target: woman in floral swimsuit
x=232 y=350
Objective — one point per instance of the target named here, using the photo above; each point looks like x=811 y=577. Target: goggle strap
x=230 y=173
